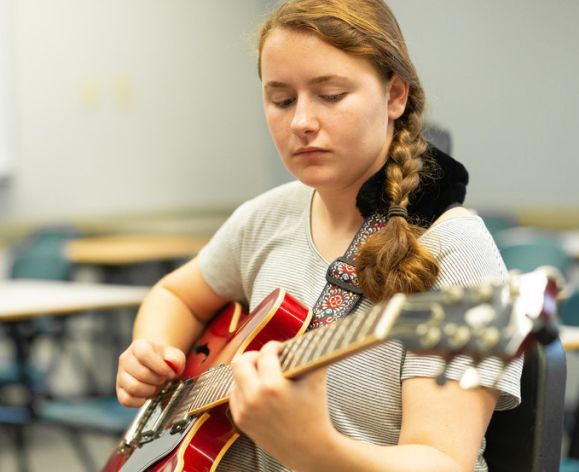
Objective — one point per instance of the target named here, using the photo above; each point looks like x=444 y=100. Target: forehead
x=294 y=55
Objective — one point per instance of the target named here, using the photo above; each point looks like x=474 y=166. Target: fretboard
x=299 y=355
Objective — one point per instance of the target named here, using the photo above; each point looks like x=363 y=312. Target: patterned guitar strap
x=342 y=291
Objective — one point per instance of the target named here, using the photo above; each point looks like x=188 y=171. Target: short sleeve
x=219 y=260
x=467 y=255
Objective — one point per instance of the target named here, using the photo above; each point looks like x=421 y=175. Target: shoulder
x=464 y=248
x=283 y=197
x=271 y=210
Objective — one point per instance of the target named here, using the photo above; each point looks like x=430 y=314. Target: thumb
x=174 y=358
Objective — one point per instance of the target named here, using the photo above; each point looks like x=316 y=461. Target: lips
x=310 y=151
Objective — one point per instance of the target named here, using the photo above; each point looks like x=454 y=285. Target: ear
x=398 y=90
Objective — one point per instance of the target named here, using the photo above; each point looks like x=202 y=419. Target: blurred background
x=129 y=130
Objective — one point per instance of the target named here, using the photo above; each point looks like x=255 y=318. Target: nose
x=305 y=121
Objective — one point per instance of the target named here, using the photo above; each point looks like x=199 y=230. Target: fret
x=224 y=382
x=196 y=391
x=341 y=331
x=214 y=384
x=324 y=341
x=299 y=342
x=288 y=352
x=371 y=320
x=308 y=353
x=205 y=391
x=350 y=334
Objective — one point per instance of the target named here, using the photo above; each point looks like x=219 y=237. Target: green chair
x=569 y=309
x=526 y=254
x=497 y=222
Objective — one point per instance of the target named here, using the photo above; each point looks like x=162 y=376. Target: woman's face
x=329 y=113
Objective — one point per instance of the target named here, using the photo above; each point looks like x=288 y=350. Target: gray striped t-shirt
x=267 y=244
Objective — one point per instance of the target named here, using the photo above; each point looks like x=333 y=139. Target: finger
x=134 y=387
x=268 y=365
x=175 y=359
x=128 y=400
x=244 y=370
x=151 y=356
x=142 y=373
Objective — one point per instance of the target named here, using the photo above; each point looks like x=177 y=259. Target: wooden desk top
x=22 y=299
x=132 y=249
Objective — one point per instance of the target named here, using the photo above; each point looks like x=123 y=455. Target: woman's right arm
x=171 y=317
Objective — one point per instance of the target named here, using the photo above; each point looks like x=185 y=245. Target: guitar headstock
x=490 y=319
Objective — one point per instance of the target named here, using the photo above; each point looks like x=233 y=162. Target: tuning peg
x=470 y=378
x=488 y=338
x=454 y=294
x=441 y=376
x=428 y=335
x=458 y=336
x=484 y=291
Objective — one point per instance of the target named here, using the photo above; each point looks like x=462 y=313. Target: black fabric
x=443 y=185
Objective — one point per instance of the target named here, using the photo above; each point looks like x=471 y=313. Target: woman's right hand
x=143 y=368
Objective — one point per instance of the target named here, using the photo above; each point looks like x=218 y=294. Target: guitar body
x=200 y=447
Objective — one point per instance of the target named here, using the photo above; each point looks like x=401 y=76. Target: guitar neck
x=300 y=355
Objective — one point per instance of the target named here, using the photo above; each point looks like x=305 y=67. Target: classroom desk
x=126 y=249
x=26 y=299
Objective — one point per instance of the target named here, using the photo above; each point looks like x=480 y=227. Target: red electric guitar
x=186 y=427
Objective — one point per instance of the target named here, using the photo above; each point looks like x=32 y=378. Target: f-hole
x=202 y=349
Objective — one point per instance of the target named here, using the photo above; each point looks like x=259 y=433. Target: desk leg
x=22 y=347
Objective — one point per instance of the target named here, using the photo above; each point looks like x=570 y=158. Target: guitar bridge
x=153 y=415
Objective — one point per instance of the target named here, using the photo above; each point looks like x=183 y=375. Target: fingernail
x=173 y=366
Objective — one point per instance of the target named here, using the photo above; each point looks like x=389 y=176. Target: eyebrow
x=315 y=81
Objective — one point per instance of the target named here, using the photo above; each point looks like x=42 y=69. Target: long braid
x=393 y=260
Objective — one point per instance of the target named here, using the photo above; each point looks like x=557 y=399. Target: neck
x=337 y=211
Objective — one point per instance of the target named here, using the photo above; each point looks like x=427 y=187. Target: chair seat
x=101 y=414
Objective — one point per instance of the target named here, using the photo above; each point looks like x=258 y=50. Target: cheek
x=363 y=128
x=277 y=127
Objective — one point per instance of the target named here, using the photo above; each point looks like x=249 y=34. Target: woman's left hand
x=282 y=416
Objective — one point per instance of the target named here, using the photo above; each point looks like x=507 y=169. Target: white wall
x=502 y=77
x=7 y=91
x=136 y=105
x=144 y=105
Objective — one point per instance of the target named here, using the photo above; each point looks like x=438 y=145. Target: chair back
x=569 y=309
x=527 y=255
x=41 y=255
x=528 y=438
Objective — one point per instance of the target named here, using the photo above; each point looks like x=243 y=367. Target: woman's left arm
x=442 y=427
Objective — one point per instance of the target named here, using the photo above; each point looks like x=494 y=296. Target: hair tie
x=395 y=210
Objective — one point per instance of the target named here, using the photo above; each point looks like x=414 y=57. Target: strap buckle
x=342 y=273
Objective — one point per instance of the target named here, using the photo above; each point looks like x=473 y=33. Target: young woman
x=344 y=106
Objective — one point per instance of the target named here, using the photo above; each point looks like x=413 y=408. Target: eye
x=285 y=103
x=334 y=97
